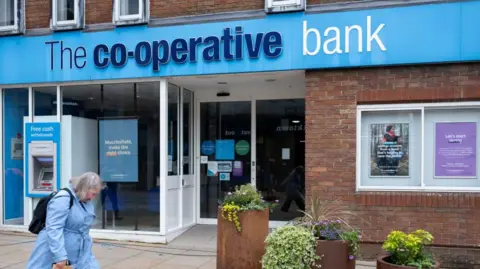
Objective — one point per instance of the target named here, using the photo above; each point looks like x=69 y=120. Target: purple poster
x=237 y=170
x=456 y=149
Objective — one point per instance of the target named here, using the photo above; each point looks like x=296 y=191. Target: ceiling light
x=295 y=121
x=90 y=98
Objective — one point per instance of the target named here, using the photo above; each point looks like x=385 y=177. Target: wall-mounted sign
x=446 y=32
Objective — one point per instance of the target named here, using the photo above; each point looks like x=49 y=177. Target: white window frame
x=141 y=17
x=76 y=23
x=407 y=107
x=17 y=26
x=277 y=6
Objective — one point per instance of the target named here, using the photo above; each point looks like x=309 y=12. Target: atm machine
x=42 y=167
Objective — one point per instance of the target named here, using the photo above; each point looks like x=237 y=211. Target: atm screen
x=47 y=176
x=45 y=159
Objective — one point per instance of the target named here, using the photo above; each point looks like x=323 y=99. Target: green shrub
x=409 y=249
x=290 y=247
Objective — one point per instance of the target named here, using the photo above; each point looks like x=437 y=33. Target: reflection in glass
x=65 y=10
x=45 y=99
x=15 y=110
x=173 y=98
x=7 y=13
x=281 y=155
x=129 y=7
x=125 y=204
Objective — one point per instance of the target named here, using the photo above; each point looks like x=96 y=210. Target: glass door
x=225 y=151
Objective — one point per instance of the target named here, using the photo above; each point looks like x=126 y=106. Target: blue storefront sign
x=416 y=34
x=118 y=150
x=48 y=135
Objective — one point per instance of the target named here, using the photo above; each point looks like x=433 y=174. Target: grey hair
x=86 y=182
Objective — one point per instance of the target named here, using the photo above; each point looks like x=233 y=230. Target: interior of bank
x=219 y=132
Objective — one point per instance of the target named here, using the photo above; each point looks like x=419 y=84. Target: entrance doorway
x=249 y=129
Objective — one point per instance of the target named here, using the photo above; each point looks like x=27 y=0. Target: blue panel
x=389 y=36
x=15 y=108
x=42 y=131
x=118 y=150
x=225 y=150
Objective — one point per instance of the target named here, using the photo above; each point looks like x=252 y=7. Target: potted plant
x=242 y=229
x=337 y=241
x=290 y=247
x=407 y=251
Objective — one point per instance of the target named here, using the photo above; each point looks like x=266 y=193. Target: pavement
x=196 y=249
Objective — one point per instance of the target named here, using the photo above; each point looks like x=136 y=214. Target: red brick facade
x=101 y=11
x=98 y=11
x=331 y=100
x=37 y=14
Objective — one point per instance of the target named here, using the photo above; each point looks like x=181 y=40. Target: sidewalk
x=185 y=253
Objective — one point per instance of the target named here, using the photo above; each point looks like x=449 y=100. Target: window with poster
x=418 y=147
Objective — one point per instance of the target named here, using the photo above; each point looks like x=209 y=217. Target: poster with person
x=389 y=149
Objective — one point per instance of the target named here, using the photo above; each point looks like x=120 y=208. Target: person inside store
x=294 y=184
x=65 y=239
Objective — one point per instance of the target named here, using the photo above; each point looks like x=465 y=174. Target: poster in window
x=456 y=149
x=389 y=150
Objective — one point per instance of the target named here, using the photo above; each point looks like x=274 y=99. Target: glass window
x=173 y=101
x=129 y=11
x=281 y=155
x=188 y=132
x=391 y=148
x=7 y=13
x=451 y=139
x=15 y=111
x=65 y=10
x=113 y=130
x=129 y=7
x=225 y=136
x=45 y=99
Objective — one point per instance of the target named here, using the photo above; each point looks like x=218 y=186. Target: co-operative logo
x=229 y=46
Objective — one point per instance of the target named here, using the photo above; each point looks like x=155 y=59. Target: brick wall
x=98 y=11
x=172 y=8
x=315 y=2
x=37 y=14
x=331 y=100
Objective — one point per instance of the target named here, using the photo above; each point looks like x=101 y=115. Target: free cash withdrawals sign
x=118 y=150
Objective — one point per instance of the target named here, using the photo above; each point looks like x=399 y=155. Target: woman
x=66 y=235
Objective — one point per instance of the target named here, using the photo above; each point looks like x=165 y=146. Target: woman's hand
x=60 y=265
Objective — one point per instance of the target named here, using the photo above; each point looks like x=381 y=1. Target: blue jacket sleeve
x=57 y=213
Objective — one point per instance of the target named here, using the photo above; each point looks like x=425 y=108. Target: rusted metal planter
x=382 y=263
x=245 y=249
x=334 y=255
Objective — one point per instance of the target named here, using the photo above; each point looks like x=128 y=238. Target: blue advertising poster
x=225 y=150
x=118 y=150
x=208 y=147
x=46 y=135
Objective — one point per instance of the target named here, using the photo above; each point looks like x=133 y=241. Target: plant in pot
x=290 y=247
x=407 y=251
x=242 y=228
x=337 y=241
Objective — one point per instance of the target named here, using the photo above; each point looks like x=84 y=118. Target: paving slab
x=192 y=251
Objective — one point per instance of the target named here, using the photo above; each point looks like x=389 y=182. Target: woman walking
x=65 y=238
